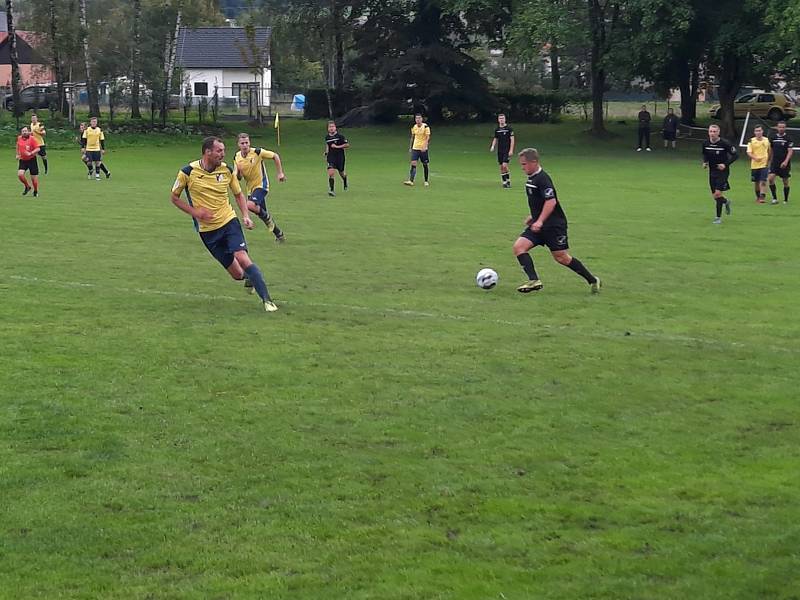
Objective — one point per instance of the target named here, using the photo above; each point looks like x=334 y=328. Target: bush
x=539 y=107
x=317 y=102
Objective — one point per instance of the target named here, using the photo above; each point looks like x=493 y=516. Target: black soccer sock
x=44 y=162
x=425 y=169
x=506 y=177
x=89 y=166
x=773 y=190
x=720 y=203
x=268 y=221
x=412 y=174
x=330 y=183
x=103 y=168
x=253 y=273
x=526 y=262
x=344 y=181
x=786 y=193
x=581 y=270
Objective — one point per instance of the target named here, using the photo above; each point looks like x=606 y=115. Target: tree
x=541 y=26
x=15 y=78
x=739 y=51
x=55 y=48
x=417 y=56
x=136 y=57
x=604 y=22
x=91 y=87
x=667 y=44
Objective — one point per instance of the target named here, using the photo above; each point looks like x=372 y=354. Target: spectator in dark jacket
x=670 y=129
x=644 y=129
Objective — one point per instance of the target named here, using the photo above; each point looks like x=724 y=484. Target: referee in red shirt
x=27 y=149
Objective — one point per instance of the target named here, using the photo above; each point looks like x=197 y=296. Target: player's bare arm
x=198 y=212
x=242 y=202
x=494 y=144
x=786 y=162
x=279 y=167
x=547 y=209
x=513 y=144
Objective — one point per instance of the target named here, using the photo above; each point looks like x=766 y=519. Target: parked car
x=767 y=105
x=34 y=97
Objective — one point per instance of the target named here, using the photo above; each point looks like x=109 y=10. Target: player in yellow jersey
x=93 y=141
x=250 y=167
x=39 y=132
x=206 y=183
x=420 y=140
x=759 y=149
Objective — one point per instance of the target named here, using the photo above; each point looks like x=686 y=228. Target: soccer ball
x=486 y=279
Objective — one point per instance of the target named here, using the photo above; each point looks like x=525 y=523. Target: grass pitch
x=394 y=431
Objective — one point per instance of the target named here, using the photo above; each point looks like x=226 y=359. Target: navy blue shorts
x=94 y=155
x=222 y=243
x=259 y=196
x=757 y=175
x=421 y=155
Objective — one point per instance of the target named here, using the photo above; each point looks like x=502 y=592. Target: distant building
x=32 y=68
x=221 y=58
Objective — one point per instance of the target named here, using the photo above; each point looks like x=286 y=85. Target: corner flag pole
x=744 y=130
x=278 y=127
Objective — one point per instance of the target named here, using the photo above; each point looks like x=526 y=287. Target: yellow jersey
x=94 y=139
x=422 y=135
x=760 y=150
x=208 y=190
x=38 y=132
x=252 y=167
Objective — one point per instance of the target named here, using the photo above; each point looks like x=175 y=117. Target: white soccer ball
x=486 y=279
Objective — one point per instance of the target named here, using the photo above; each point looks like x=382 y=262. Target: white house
x=221 y=58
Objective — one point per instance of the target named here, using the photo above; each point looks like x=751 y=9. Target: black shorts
x=31 y=165
x=718 y=181
x=222 y=243
x=336 y=162
x=42 y=151
x=669 y=136
x=502 y=157
x=94 y=155
x=420 y=155
x=554 y=238
x=779 y=172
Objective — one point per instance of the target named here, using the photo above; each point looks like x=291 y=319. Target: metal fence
x=240 y=102
x=243 y=101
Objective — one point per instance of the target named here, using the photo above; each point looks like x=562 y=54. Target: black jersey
x=721 y=152
x=338 y=139
x=503 y=136
x=539 y=188
x=781 y=144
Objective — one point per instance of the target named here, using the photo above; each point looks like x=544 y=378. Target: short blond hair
x=529 y=154
x=244 y=136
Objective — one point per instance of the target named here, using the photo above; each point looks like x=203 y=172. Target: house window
x=240 y=90
x=201 y=88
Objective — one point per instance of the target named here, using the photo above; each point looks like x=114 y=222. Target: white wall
x=225 y=78
x=210 y=76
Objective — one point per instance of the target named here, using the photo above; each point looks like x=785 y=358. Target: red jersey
x=26 y=147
